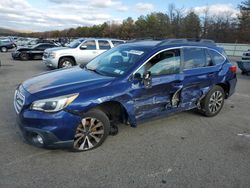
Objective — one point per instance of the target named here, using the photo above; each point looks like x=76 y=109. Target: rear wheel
x=66 y=62
x=92 y=131
x=24 y=56
x=213 y=102
x=4 y=49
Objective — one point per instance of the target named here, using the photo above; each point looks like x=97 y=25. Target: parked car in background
x=79 y=51
x=38 y=41
x=6 y=44
x=80 y=106
x=34 y=52
x=246 y=56
x=244 y=64
x=22 y=41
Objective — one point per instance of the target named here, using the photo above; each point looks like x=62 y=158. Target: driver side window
x=164 y=63
x=91 y=45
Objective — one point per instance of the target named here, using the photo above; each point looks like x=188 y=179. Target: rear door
x=199 y=74
x=37 y=52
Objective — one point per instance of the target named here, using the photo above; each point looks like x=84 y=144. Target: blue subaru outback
x=79 y=107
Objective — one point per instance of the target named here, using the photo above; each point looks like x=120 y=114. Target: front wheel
x=213 y=102
x=66 y=63
x=4 y=49
x=24 y=56
x=92 y=131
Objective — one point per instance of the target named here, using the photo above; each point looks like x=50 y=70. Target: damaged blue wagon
x=80 y=106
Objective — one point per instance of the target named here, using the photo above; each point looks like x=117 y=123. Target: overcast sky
x=44 y=15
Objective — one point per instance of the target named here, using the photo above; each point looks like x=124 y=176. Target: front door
x=157 y=98
x=87 y=51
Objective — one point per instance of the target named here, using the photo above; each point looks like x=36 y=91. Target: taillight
x=233 y=69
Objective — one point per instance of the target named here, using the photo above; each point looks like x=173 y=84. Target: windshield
x=75 y=43
x=36 y=45
x=32 y=42
x=117 y=61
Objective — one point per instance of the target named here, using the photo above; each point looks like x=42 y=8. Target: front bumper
x=15 y=55
x=56 y=129
x=51 y=63
x=49 y=138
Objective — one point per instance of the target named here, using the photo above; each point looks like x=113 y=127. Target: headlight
x=52 y=55
x=53 y=104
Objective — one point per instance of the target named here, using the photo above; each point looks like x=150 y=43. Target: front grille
x=19 y=100
x=245 y=58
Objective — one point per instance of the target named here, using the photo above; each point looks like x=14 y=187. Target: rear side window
x=41 y=47
x=90 y=45
x=216 y=57
x=117 y=42
x=104 y=45
x=194 y=58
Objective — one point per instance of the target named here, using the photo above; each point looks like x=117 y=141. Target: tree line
x=175 y=23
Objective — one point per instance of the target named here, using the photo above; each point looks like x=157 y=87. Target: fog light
x=39 y=139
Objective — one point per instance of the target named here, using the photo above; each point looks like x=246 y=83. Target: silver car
x=246 y=56
x=79 y=51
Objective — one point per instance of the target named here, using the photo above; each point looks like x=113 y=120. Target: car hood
x=57 y=49
x=66 y=81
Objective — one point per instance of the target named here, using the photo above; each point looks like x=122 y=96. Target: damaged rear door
x=166 y=80
x=199 y=75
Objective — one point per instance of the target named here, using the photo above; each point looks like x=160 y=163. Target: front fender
x=96 y=97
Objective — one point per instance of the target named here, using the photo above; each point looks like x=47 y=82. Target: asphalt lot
x=183 y=150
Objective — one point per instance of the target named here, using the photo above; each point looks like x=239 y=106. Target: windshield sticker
x=117 y=71
x=136 y=52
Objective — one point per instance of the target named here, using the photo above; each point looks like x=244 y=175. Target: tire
x=92 y=131
x=66 y=62
x=213 y=102
x=4 y=49
x=24 y=56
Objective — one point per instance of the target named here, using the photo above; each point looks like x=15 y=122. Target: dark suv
x=6 y=45
x=79 y=107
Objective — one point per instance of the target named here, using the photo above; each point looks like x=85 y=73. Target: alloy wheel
x=66 y=64
x=88 y=134
x=215 y=102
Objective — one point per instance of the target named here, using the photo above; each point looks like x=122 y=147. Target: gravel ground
x=183 y=150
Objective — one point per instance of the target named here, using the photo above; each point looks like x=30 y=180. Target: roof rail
x=187 y=40
x=143 y=39
x=139 y=39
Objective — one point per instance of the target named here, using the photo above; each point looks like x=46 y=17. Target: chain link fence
x=234 y=49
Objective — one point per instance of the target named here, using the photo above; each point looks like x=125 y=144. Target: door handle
x=211 y=74
x=177 y=81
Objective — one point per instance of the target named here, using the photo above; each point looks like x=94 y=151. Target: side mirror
x=83 y=47
x=147 y=80
x=137 y=76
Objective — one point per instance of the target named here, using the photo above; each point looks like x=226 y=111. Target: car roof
x=172 y=43
x=90 y=38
